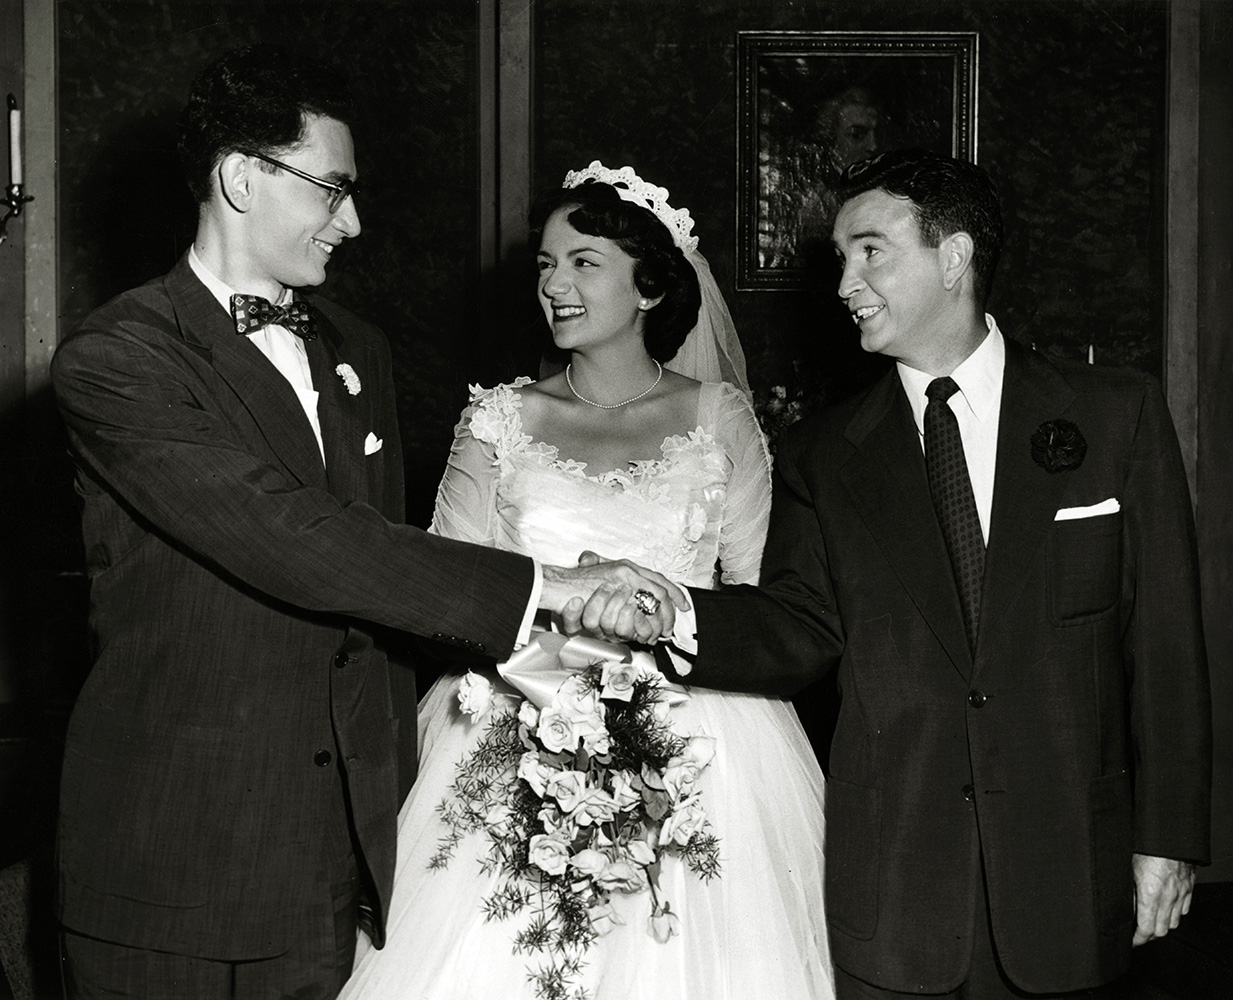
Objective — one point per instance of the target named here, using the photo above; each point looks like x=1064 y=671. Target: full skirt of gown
x=756 y=930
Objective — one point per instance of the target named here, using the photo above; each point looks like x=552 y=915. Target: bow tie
x=252 y=312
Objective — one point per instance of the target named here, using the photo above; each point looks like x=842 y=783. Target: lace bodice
x=697 y=513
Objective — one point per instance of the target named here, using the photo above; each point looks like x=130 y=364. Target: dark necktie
x=251 y=313
x=951 y=490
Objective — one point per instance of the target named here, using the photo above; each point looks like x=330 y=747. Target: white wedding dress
x=698 y=515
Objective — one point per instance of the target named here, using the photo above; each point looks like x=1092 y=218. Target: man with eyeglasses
x=230 y=785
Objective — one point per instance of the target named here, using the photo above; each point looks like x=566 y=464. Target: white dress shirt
x=977 y=407
x=284 y=349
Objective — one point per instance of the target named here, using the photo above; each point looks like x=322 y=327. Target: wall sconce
x=14 y=197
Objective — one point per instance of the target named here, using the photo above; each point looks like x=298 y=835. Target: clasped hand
x=597 y=597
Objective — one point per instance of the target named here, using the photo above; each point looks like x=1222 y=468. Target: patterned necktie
x=951 y=490
x=252 y=312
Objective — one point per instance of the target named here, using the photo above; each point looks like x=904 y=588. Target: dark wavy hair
x=660 y=267
x=947 y=195
x=254 y=98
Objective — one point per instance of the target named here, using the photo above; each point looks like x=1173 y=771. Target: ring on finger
x=646 y=602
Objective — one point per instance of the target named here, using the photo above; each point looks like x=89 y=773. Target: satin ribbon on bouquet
x=549 y=659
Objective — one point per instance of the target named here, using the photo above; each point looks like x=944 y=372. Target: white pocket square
x=372 y=444
x=1110 y=506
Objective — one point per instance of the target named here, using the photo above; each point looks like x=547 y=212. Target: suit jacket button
x=969 y=793
x=322 y=758
x=341 y=660
x=976 y=698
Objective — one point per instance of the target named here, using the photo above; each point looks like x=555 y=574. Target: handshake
x=612 y=599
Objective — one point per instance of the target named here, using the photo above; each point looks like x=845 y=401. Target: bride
x=624 y=453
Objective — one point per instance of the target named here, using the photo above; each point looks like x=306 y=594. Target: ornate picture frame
x=811 y=102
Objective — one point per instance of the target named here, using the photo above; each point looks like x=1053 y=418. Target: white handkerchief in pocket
x=372 y=444
x=1110 y=506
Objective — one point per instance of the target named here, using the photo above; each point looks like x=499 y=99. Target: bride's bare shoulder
x=540 y=398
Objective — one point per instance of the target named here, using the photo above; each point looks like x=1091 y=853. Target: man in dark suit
x=996 y=552
x=229 y=795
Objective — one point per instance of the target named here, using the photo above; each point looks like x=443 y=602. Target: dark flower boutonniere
x=1058 y=446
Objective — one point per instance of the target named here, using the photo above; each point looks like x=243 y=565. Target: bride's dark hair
x=660 y=267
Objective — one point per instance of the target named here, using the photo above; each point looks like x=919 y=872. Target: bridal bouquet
x=580 y=798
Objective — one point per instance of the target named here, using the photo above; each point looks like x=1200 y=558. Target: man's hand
x=597 y=597
x=1163 y=888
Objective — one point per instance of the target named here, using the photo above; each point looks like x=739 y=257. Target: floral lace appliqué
x=495 y=419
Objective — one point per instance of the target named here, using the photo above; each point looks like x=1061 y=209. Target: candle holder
x=14 y=198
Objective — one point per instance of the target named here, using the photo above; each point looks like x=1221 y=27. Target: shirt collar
x=216 y=286
x=979 y=378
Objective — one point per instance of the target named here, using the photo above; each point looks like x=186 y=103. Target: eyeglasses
x=339 y=192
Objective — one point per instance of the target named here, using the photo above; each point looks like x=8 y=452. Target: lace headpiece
x=635 y=190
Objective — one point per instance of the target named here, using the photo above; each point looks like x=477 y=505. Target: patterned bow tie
x=252 y=312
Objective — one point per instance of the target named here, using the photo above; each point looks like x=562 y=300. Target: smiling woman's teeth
x=566 y=311
x=864 y=313
x=328 y=248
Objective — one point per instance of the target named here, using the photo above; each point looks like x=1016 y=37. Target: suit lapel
x=340 y=412
x=886 y=480
x=258 y=385
x=1025 y=497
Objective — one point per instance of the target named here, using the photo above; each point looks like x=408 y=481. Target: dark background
x=1071 y=122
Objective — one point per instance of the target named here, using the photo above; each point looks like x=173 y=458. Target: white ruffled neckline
x=507 y=436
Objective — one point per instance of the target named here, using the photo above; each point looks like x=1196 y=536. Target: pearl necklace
x=612 y=406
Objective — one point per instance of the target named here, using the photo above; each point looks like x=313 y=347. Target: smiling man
x=230 y=792
x=995 y=550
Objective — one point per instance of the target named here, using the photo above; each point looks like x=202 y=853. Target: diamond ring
x=647 y=602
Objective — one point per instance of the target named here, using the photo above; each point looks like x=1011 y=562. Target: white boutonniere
x=350 y=379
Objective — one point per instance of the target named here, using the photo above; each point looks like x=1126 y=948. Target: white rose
x=578 y=701
x=588 y=862
x=528 y=715
x=556 y=731
x=683 y=822
x=595 y=808
x=497 y=816
x=556 y=823
x=568 y=788
x=678 y=778
x=535 y=773
x=700 y=749
x=548 y=853
x=603 y=918
x=663 y=924
x=474 y=695
x=622 y=876
x=618 y=681
x=641 y=852
x=626 y=790
x=594 y=735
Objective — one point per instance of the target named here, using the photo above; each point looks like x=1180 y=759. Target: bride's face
x=586 y=285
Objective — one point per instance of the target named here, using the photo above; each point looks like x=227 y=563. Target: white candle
x=1091 y=354
x=14 y=143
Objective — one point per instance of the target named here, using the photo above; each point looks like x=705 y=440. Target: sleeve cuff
x=685 y=634
x=524 y=630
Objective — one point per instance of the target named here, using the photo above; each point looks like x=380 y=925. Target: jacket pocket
x=853 y=857
x=1112 y=844
x=1085 y=568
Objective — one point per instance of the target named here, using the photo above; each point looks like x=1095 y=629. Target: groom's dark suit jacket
x=1078 y=733
x=238 y=711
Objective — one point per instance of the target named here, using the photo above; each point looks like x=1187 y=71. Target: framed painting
x=810 y=104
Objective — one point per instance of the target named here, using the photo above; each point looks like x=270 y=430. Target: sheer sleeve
x=747 y=506
x=466 y=507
